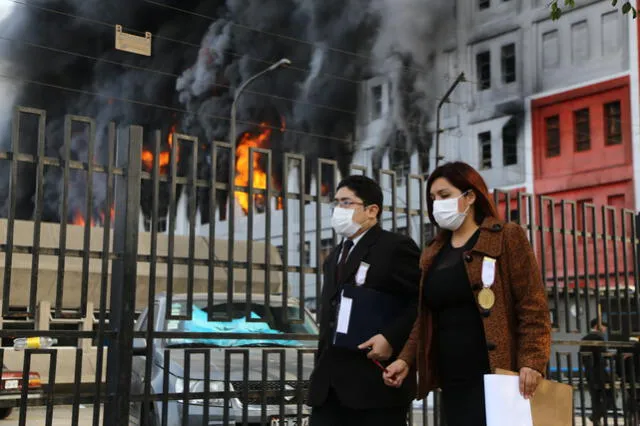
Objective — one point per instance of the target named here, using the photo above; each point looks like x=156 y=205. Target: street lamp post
x=444 y=99
x=247 y=82
x=232 y=163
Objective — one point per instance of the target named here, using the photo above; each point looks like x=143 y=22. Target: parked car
x=11 y=389
x=250 y=391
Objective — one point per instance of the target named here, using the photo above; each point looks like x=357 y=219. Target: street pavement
x=36 y=416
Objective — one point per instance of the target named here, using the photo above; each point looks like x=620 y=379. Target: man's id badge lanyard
x=486 y=297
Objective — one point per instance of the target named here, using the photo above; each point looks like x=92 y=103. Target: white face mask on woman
x=342 y=222
x=446 y=213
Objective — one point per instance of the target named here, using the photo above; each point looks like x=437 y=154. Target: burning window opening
x=98 y=218
x=164 y=158
x=246 y=142
x=79 y=218
x=252 y=140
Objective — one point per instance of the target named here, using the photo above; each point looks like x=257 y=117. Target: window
x=552 y=130
x=401 y=164
x=581 y=128
x=305 y=252
x=484 y=4
x=280 y=251
x=508 y=59
x=376 y=98
x=483 y=70
x=612 y=121
x=484 y=140
x=510 y=143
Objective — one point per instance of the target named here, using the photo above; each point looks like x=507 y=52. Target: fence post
x=123 y=275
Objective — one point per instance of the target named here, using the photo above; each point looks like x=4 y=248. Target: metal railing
x=148 y=318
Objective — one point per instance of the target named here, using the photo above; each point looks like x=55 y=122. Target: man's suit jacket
x=394 y=269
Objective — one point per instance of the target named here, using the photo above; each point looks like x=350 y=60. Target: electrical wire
x=164 y=107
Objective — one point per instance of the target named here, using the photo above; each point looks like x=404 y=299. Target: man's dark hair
x=365 y=188
x=594 y=322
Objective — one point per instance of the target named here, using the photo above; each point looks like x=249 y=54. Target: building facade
x=514 y=57
x=548 y=108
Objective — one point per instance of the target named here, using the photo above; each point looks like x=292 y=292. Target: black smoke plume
x=60 y=57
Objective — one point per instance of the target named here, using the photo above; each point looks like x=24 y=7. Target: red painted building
x=582 y=144
x=582 y=153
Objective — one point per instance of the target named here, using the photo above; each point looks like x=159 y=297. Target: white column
x=635 y=105
x=528 y=146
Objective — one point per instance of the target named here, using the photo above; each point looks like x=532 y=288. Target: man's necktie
x=346 y=248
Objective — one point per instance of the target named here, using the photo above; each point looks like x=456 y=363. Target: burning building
x=59 y=56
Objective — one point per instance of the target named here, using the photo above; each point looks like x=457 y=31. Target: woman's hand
x=529 y=379
x=396 y=373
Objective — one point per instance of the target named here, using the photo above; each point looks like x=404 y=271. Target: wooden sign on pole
x=133 y=43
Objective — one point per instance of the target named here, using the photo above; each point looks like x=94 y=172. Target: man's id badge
x=361 y=275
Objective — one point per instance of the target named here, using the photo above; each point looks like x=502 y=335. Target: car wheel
x=5 y=412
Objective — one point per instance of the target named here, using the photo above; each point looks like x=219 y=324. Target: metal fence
x=160 y=320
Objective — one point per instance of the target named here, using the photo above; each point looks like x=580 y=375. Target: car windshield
x=263 y=321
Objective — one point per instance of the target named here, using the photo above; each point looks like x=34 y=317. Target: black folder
x=371 y=311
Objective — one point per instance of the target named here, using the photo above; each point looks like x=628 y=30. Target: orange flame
x=242 y=164
x=79 y=219
x=164 y=159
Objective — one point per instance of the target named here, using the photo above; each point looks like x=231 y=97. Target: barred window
x=483 y=70
x=508 y=60
x=510 y=143
x=484 y=140
x=612 y=120
x=582 y=129
x=552 y=130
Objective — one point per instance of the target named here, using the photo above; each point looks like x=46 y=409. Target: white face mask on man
x=446 y=213
x=342 y=222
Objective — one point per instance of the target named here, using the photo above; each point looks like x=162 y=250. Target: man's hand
x=381 y=350
x=529 y=379
x=396 y=372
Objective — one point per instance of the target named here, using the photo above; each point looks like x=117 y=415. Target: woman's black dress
x=460 y=347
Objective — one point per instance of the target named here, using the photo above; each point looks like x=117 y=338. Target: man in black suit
x=596 y=372
x=346 y=385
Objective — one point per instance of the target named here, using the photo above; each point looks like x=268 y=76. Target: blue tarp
x=200 y=324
